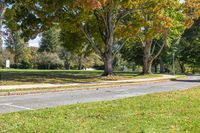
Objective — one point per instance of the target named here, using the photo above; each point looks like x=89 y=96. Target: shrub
x=47 y=60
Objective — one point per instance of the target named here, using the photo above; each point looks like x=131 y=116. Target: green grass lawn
x=156 y=113
x=15 y=77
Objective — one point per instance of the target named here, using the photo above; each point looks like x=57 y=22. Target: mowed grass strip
x=17 y=77
x=156 y=113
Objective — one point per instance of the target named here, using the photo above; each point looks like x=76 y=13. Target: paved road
x=37 y=101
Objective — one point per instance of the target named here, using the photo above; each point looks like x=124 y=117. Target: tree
x=2 y=12
x=157 y=18
x=47 y=60
x=107 y=15
x=66 y=56
x=192 y=10
x=19 y=48
x=133 y=53
x=50 y=40
x=189 y=48
x=97 y=20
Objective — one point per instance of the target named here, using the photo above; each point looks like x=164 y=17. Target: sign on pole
x=7 y=63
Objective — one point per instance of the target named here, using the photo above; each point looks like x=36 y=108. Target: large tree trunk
x=148 y=54
x=162 y=69
x=156 y=68
x=108 y=56
x=108 y=63
x=182 y=66
x=106 y=29
x=147 y=61
x=2 y=12
x=147 y=67
x=108 y=60
x=80 y=65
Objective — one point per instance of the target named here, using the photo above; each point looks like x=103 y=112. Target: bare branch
x=3 y=11
x=120 y=17
x=92 y=42
x=143 y=43
x=120 y=47
x=102 y=33
x=161 y=48
x=152 y=51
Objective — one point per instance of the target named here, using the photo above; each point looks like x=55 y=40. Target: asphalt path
x=39 y=101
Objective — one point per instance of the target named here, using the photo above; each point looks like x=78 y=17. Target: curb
x=78 y=88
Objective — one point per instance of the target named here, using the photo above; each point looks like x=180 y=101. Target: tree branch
x=154 y=46
x=120 y=47
x=161 y=48
x=143 y=43
x=120 y=17
x=92 y=42
x=102 y=33
x=3 y=11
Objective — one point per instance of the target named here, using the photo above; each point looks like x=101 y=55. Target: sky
x=35 y=42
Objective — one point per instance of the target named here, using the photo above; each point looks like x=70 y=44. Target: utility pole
x=174 y=71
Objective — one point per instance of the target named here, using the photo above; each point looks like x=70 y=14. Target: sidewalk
x=38 y=86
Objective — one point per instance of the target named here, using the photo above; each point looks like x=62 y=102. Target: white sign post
x=7 y=63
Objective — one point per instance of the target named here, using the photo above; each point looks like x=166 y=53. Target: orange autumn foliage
x=192 y=10
x=91 y=4
x=193 y=7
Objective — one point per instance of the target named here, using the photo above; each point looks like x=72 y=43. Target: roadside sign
x=7 y=63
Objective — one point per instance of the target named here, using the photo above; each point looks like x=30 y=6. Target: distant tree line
x=49 y=55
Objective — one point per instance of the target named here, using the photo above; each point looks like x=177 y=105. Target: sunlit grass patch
x=158 y=113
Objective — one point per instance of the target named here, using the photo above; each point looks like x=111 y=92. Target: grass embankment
x=17 y=77
x=159 y=113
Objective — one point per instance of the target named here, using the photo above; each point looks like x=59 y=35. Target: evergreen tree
x=50 y=41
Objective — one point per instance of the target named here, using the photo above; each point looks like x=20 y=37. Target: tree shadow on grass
x=189 y=81
x=56 y=77
x=194 y=79
x=53 y=78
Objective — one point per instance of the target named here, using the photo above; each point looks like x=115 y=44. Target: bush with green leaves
x=47 y=60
